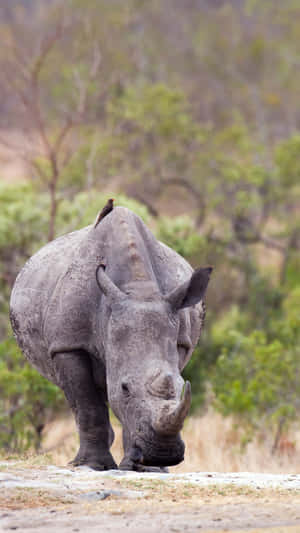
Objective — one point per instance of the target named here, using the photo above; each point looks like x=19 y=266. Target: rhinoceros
x=111 y=315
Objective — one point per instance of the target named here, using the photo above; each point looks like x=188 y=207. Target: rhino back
x=35 y=293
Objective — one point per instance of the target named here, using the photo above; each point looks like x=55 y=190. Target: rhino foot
x=96 y=463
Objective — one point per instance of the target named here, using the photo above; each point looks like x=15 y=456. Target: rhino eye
x=125 y=388
x=183 y=349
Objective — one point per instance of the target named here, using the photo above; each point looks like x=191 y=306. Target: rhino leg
x=89 y=404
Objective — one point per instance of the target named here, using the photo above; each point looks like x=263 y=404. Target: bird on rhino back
x=111 y=316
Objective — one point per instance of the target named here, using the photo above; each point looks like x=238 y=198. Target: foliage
x=179 y=233
x=83 y=208
x=26 y=400
x=256 y=377
x=22 y=227
x=207 y=130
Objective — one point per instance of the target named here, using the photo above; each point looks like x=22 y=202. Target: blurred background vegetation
x=188 y=113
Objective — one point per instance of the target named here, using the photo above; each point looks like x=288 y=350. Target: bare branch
x=82 y=92
x=96 y=61
x=32 y=163
x=182 y=182
x=63 y=133
x=269 y=243
x=141 y=198
x=67 y=157
x=46 y=47
x=90 y=162
x=194 y=191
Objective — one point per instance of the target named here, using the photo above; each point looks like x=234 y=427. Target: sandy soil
x=42 y=498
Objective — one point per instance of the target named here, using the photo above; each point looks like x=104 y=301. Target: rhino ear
x=192 y=291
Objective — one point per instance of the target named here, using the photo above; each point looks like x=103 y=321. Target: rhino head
x=143 y=362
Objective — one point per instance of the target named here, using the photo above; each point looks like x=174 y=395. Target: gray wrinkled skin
x=121 y=339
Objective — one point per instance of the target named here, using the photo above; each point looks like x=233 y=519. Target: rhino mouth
x=156 y=440
x=162 y=461
x=158 y=452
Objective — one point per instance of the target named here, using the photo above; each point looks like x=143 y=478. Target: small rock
x=103 y=494
x=96 y=496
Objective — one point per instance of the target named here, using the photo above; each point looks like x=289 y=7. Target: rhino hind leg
x=89 y=404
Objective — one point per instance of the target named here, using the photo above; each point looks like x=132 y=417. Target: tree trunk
x=53 y=206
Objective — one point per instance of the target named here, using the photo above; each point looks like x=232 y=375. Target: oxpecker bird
x=106 y=209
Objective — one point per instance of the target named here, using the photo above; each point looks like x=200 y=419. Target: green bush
x=27 y=400
x=256 y=377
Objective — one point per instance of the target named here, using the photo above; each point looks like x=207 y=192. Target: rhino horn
x=170 y=420
x=107 y=286
x=162 y=385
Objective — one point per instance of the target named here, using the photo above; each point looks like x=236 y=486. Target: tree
x=28 y=62
x=256 y=377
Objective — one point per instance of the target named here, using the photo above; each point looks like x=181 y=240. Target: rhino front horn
x=170 y=420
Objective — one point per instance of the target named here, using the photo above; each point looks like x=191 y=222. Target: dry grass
x=28 y=498
x=212 y=445
x=166 y=497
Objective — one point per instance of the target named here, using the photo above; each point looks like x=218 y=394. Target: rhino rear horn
x=107 y=286
x=192 y=291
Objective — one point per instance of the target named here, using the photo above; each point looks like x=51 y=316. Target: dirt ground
x=43 y=498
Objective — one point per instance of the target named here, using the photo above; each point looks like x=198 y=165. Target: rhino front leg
x=74 y=376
